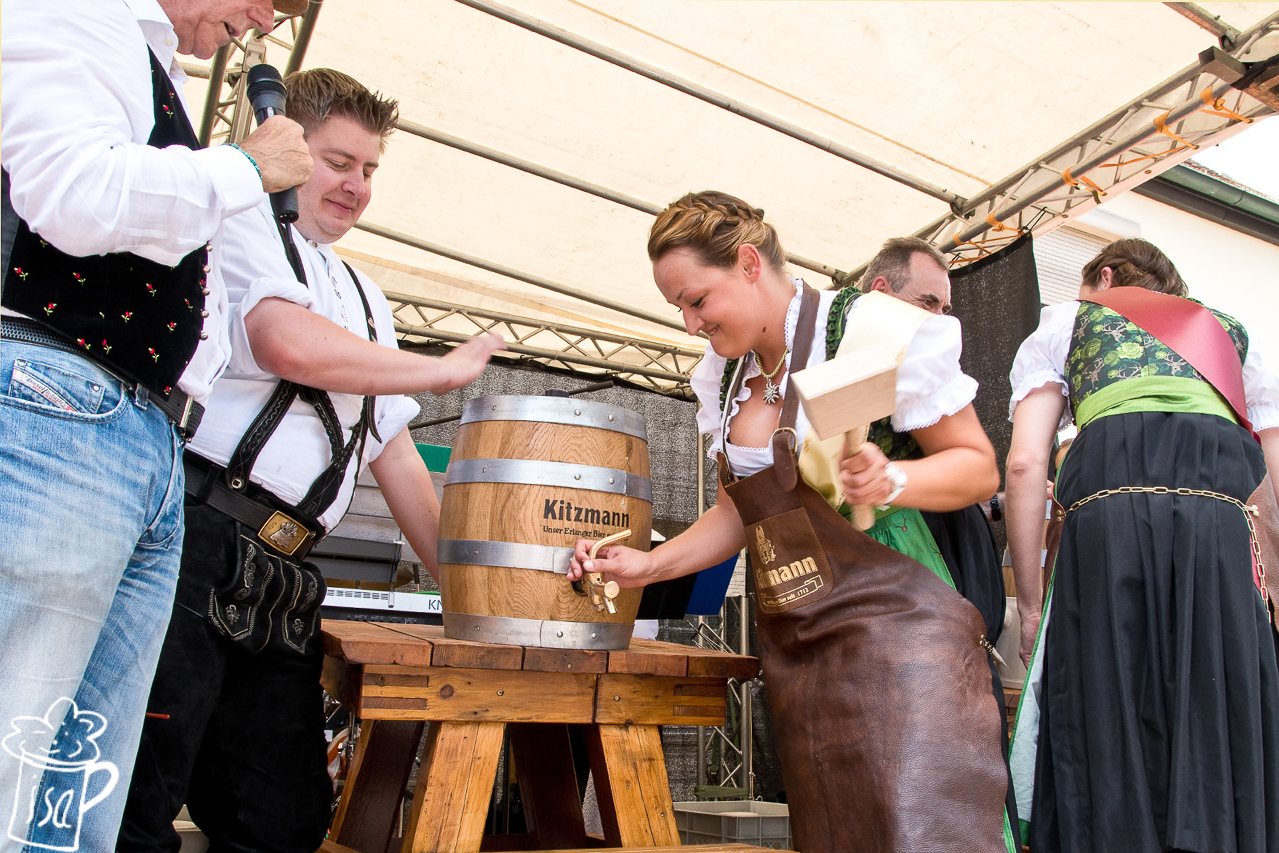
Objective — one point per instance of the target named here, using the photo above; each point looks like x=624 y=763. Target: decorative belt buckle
x=284 y=534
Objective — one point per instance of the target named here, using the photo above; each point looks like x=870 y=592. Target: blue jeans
x=90 y=537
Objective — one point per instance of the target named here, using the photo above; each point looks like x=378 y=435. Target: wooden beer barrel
x=528 y=476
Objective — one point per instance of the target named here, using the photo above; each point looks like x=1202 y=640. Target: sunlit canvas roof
x=957 y=95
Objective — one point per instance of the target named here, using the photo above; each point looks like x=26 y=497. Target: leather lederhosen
x=887 y=731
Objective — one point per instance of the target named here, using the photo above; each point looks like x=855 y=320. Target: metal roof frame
x=1211 y=99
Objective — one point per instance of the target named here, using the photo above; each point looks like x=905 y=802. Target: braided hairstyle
x=714 y=225
x=1135 y=262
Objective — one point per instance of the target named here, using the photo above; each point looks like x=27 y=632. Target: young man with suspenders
x=313 y=393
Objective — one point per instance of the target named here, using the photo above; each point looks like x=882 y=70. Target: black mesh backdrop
x=997 y=300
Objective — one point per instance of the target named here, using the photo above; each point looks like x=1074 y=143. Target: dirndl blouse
x=1041 y=360
x=930 y=383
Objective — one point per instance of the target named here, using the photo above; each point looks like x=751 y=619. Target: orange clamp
x=999 y=226
x=1071 y=181
x=1217 y=106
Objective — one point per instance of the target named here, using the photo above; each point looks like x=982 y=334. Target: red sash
x=1188 y=329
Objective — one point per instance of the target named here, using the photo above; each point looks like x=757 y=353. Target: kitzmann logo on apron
x=789 y=563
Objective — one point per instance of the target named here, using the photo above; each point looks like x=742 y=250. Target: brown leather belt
x=184 y=412
x=283 y=532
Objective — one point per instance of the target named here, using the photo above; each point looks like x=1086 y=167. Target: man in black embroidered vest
x=113 y=330
x=313 y=393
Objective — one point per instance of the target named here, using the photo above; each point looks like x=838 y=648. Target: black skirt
x=1160 y=703
x=967 y=545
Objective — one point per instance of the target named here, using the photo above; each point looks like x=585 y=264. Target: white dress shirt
x=256 y=268
x=77 y=112
x=930 y=383
x=1041 y=360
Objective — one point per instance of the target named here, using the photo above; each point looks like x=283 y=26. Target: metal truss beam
x=226 y=116
x=1227 y=34
x=729 y=750
x=663 y=368
x=1196 y=108
x=527 y=278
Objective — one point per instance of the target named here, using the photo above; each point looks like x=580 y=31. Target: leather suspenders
x=286 y=533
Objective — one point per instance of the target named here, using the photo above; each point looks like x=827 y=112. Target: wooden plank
x=373 y=642
x=565 y=660
x=366 y=818
x=701 y=848
x=331 y=847
x=463 y=653
x=709 y=663
x=657 y=700
x=543 y=760
x=649 y=657
x=451 y=693
x=454 y=786
x=629 y=771
x=341 y=680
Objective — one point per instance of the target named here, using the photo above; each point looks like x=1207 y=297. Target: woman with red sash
x=1150 y=721
x=887 y=731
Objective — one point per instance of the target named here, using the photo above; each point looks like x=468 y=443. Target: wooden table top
x=387 y=643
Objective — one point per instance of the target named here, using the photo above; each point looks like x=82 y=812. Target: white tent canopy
x=957 y=95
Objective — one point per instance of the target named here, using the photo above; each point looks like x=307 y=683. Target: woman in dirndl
x=1150 y=721
x=888 y=734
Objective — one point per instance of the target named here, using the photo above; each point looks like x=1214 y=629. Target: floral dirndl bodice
x=1106 y=348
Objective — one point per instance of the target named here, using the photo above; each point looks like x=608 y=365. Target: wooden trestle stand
x=396 y=678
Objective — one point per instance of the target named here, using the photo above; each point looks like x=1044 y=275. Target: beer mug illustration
x=54 y=781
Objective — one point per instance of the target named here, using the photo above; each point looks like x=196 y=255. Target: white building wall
x=1225 y=269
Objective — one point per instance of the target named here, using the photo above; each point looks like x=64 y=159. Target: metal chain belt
x=1249 y=512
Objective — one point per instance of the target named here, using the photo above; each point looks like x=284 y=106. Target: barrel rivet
x=577 y=411
x=610 y=417
x=559 y=633
x=610 y=481
x=592 y=635
x=501 y=693
x=577 y=476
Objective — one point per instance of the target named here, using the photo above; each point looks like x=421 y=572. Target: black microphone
x=266 y=94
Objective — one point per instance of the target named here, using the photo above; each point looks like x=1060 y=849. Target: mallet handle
x=863 y=516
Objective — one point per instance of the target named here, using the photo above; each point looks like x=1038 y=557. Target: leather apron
x=888 y=734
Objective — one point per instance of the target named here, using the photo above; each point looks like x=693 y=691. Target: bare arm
x=958 y=468
x=406 y=484
x=1270 y=449
x=713 y=538
x=294 y=343
x=1034 y=423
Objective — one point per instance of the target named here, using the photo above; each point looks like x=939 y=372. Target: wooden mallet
x=859 y=385
x=847 y=395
